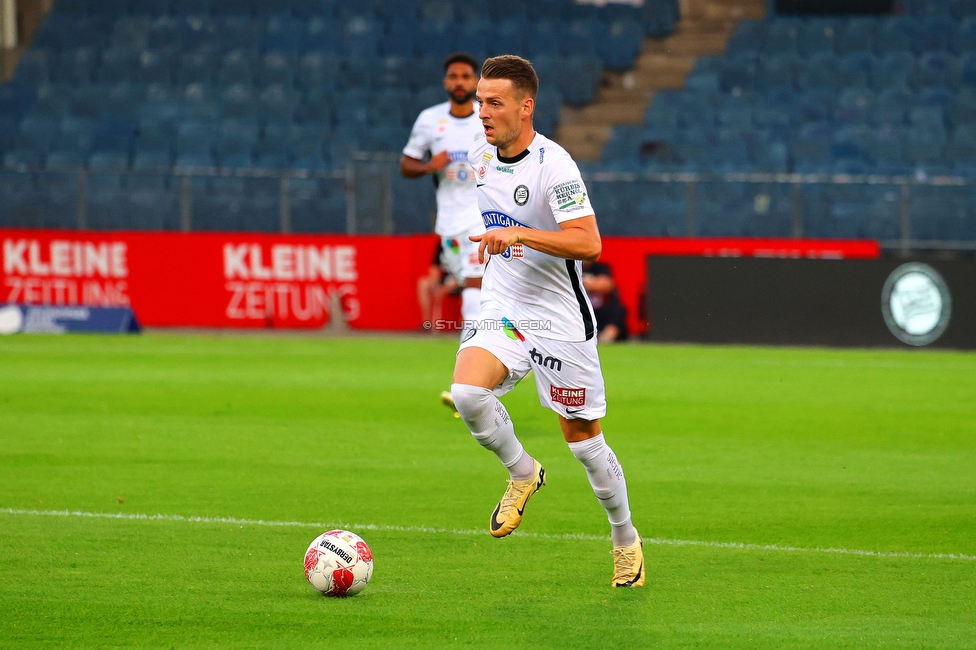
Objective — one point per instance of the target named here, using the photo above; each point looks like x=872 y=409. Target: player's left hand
x=496 y=241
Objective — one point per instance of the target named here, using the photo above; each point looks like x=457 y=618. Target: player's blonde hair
x=514 y=68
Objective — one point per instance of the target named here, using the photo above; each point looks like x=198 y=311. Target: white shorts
x=461 y=256
x=568 y=377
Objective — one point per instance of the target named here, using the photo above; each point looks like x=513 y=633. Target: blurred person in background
x=433 y=287
x=611 y=315
x=438 y=145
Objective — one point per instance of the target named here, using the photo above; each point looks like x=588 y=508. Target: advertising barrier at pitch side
x=250 y=280
x=848 y=302
x=220 y=280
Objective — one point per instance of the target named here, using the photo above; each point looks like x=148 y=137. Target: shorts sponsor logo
x=521 y=195
x=568 y=396
x=511 y=331
x=513 y=252
x=546 y=361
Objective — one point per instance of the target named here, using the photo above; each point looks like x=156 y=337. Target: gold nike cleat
x=628 y=564
x=508 y=512
x=448 y=401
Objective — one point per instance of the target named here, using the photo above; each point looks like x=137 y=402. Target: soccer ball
x=338 y=563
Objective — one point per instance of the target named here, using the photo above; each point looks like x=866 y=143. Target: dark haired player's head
x=507 y=93
x=460 y=77
x=519 y=71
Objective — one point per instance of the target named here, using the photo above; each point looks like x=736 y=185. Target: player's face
x=501 y=111
x=460 y=82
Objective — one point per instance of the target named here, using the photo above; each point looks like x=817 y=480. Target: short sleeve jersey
x=436 y=130
x=541 y=188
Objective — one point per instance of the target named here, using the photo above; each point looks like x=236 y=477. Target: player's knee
x=471 y=402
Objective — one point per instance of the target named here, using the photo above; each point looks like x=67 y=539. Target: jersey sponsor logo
x=567 y=396
x=521 y=195
x=513 y=252
x=458 y=156
x=459 y=173
x=495 y=219
x=542 y=154
x=504 y=170
x=569 y=193
x=550 y=362
x=481 y=172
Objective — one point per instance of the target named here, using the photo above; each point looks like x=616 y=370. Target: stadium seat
x=896 y=34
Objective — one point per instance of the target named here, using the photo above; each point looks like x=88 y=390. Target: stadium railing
x=368 y=196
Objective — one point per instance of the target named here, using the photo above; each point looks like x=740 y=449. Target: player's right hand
x=439 y=162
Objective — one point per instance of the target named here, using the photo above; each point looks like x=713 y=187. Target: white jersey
x=436 y=130
x=540 y=188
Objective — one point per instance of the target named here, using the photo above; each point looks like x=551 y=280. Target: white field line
x=455 y=531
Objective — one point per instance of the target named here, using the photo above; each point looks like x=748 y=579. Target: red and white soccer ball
x=338 y=563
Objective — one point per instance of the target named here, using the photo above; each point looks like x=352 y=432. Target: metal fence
x=368 y=196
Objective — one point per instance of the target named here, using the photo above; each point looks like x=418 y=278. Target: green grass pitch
x=790 y=498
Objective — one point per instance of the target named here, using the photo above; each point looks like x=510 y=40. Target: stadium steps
x=664 y=63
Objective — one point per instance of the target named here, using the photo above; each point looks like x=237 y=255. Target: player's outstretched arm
x=578 y=239
x=413 y=168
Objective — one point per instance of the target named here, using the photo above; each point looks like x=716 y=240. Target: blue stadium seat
x=777 y=71
x=130 y=33
x=894 y=70
x=619 y=44
x=32 y=68
x=964 y=36
x=856 y=69
x=854 y=106
x=277 y=67
x=934 y=33
x=782 y=36
x=817 y=36
x=962 y=145
x=236 y=68
x=284 y=34
x=318 y=71
x=156 y=67
x=962 y=108
x=820 y=70
x=748 y=37
x=855 y=35
x=896 y=34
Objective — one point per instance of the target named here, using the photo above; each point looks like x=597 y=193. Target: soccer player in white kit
x=535 y=314
x=438 y=145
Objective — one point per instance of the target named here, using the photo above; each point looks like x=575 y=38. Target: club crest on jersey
x=513 y=252
x=521 y=195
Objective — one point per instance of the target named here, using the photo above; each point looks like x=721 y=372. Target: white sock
x=607 y=480
x=492 y=427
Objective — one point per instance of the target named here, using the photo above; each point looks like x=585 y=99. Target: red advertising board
x=220 y=279
x=251 y=280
